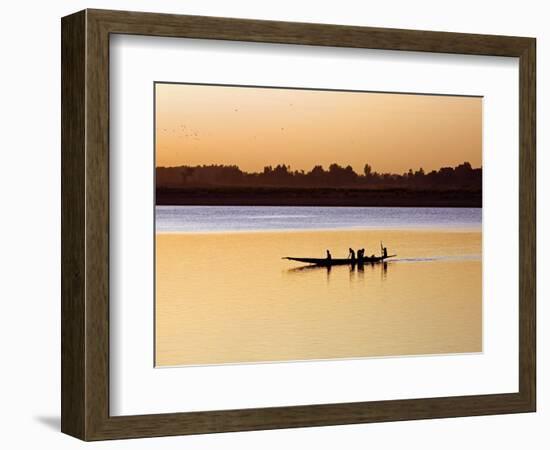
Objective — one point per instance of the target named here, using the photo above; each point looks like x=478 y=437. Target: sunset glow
x=254 y=127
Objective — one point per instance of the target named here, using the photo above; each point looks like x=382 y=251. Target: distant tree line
x=462 y=176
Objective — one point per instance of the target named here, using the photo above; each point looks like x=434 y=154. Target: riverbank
x=259 y=196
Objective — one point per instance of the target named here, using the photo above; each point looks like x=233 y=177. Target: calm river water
x=225 y=295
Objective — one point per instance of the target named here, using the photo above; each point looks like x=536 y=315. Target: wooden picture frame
x=85 y=224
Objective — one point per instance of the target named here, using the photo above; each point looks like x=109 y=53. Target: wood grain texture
x=527 y=224
x=72 y=224
x=85 y=224
x=97 y=226
x=153 y=24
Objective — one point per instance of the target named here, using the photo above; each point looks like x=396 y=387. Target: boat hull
x=340 y=261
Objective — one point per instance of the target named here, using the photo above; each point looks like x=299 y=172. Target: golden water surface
x=230 y=298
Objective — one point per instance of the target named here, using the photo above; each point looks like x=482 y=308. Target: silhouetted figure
x=383 y=250
x=329 y=256
x=360 y=254
x=351 y=254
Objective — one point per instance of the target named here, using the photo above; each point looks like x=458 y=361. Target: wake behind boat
x=340 y=261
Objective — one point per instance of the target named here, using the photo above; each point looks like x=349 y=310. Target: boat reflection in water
x=355 y=270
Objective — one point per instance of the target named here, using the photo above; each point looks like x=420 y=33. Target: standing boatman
x=384 y=250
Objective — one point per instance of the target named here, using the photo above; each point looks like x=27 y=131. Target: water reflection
x=252 y=309
x=355 y=271
x=352 y=273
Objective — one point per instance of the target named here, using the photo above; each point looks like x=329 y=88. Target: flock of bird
x=188 y=133
x=183 y=131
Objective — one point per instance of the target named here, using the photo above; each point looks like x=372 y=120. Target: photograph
x=301 y=224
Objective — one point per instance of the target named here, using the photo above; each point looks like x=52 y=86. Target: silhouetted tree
x=462 y=176
x=367 y=171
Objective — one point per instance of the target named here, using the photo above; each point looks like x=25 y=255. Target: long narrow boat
x=340 y=261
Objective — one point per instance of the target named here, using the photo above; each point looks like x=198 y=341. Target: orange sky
x=255 y=127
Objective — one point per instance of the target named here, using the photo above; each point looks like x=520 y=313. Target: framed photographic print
x=272 y=224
